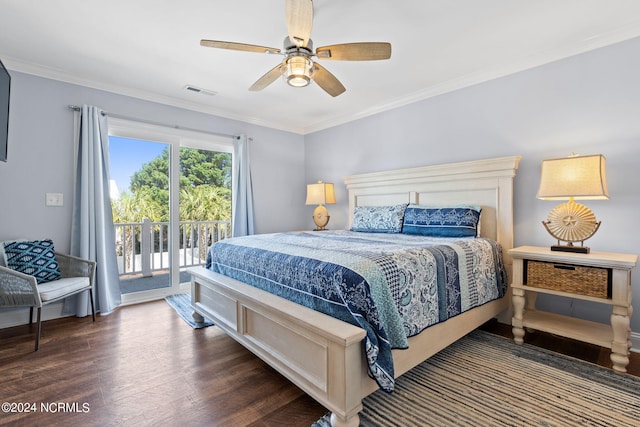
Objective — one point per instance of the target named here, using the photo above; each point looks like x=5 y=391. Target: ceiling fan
x=297 y=68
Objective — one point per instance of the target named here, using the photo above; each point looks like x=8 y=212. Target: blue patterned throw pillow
x=442 y=221
x=36 y=258
x=378 y=219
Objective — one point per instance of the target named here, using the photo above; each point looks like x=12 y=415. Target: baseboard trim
x=153 y=295
x=20 y=316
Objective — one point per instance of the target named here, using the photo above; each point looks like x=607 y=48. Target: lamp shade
x=320 y=194
x=577 y=177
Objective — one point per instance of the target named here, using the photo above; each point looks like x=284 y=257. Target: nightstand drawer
x=575 y=279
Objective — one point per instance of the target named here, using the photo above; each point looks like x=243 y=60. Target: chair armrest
x=72 y=266
x=18 y=289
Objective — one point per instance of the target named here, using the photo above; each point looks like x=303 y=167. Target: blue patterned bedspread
x=392 y=285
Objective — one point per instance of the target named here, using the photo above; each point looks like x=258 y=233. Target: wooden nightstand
x=598 y=277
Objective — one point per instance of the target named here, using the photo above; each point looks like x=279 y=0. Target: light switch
x=54 y=199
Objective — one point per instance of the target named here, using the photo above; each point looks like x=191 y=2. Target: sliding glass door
x=171 y=199
x=204 y=203
x=139 y=188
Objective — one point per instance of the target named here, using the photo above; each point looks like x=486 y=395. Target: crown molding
x=526 y=63
x=59 y=75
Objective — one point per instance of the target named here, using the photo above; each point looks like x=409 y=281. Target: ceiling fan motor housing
x=288 y=45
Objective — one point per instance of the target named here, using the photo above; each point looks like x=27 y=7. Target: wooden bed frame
x=324 y=356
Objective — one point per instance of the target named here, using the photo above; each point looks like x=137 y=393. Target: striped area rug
x=485 y=380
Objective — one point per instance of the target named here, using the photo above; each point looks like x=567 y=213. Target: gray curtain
x=92 y=230
x=243 y=222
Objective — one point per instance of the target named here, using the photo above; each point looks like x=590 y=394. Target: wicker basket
x=575 y=279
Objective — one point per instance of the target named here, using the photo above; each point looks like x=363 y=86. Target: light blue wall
x=41 y=158
x=587 y=104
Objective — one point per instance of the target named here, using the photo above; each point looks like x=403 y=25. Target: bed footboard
x=321 y=355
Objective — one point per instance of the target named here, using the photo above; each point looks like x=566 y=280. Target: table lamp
x=572 y=178
x=320 y=194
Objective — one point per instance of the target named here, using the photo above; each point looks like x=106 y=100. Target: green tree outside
x=205 y=189
x=205 y=195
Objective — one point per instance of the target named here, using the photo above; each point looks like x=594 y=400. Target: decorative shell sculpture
x=571 y=222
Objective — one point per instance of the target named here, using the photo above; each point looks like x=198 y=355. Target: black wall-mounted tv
x=5 y=88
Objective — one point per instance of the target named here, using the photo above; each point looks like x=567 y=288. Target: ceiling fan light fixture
x=298 y=71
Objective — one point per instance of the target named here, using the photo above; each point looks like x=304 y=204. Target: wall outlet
x=54 y=199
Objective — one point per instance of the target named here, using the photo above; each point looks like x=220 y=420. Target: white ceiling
x=150 y=49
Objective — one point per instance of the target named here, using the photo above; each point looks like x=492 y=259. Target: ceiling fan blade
x=269 y=77
x=299 y=21
x=327 y=81
x=365 y=51
x=238 y=46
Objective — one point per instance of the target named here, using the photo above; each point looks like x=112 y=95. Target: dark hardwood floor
x=143 y=365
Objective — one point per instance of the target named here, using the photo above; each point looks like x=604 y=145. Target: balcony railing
x=143 y=247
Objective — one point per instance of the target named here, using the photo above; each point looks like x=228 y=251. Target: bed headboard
x=487 y=183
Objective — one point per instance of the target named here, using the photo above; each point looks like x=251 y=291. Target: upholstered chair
x=32 y=275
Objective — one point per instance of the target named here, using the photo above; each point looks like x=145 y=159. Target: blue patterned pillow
x=36 y=258
x=442 y=221
x=378 y=219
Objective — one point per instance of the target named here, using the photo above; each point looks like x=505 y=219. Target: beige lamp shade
x=578 y=177
x=320 y=194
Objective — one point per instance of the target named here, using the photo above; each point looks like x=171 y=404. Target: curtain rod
x=151 y=122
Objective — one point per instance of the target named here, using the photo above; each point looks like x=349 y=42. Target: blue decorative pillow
x=36 y=258
x=378 y=219
x=442 y=221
